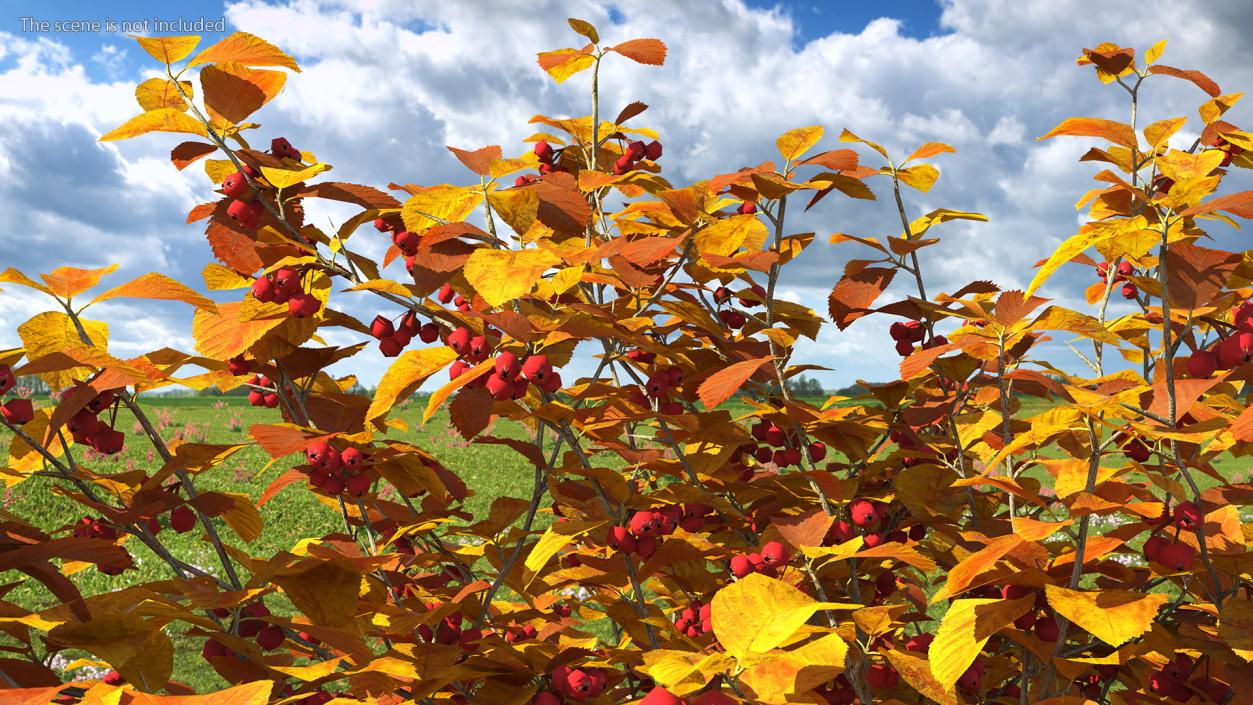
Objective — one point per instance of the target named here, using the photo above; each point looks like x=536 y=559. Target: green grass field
x=489 y=471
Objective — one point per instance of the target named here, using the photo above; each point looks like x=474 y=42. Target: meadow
x=490 y=471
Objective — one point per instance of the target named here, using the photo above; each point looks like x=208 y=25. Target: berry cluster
x=262 y=392
x=1228 y=353
x=577 y=684
x=1124 y=270
x=755 y=295
x=283 y=286
x=644 y=529
x=768 y=561
x=1171 y=552
x=660 y=696
x=449 y=632
x=635 y=152
x=1171 y=681
x=14 y=411
x=337 y=472
x=783 y=448
x=393 y=337
x=447 y=295
x=244 y=207
x=87 y=428
x=908 y=333
x=695 y=619
x=659 y=388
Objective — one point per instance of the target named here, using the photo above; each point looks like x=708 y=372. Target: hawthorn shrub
x=929 y=542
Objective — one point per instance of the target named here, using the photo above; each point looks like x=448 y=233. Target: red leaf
x=630 y=111
x=918 y=362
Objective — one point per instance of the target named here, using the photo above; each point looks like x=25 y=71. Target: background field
x=489 y=471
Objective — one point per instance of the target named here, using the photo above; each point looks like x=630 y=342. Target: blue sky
x=387 y=84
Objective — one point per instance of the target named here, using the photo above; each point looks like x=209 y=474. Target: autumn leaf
x=644 y=51
x=159 y=120
x=794 y=143
x=724 y=383
x=556 y=537
x=853 y=295
x=756 y=614
x=501 y=276
x=155 y=286
x=564 y=63
x=168 y=50
x=405 y=375
x=1117 y=132
x=244 y=48
x=1113 y=616
x=966 y=627
x=68 y=282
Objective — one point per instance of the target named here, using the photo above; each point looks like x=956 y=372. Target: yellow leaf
x=385 y=285
x=155 y=286
x=556 y=537
x=283 y=178
x=726 y=235
x=966 y=627
x=1153 y=53
x=168 y=49
x=683 y=672
x=135 y=647
x=13 y=276
x=160 y=120
x=405 y=375
x=847 y=136
x=157 y=93
x=794 y=143
x=1236 y=627
x=920 y=176
x=1113 y=616
x=324 y=590
x=447 y=203
x=226 y=332
x=245 y=49
x=564 y=63
x=72 y=281
x=500 y=276
x=53 y=331
x=756 y=614
x=219 y=278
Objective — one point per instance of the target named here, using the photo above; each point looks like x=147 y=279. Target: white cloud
x=387 y=84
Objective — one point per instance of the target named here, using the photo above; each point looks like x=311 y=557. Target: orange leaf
x=245 y=49
x=1112 y=130
x=168 y=49
x=930 y=149
x=1201 y=81
x=854 y=294
x=1240 y=204
x=155 y=286
x=72 y=281
x=644 y=51
x=280 y=440
x=918 y=362
x=224 y=333
x=234 y=91
x=257 y=693
x=719 y=386
x=480 y=160
x=441 y=394
x=405 y=375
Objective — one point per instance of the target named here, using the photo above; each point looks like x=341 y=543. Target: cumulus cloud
x=388 y=83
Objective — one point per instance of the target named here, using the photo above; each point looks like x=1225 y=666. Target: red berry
x=652 y=150
x=881 y=676
x=235 y=185
x=381 y=327
x=741 y=566
x=6 y=379
x=507 y=365
x=459 y=340
x=391 y=346
x=406 y=242
x=247 y=215
x=1187 y=515
x=381 y=225
x=18 y=411
x=1202 y=364
x=544 y=151
x=270 y=637
x=1046 y=628
x=182 y=519
x=621 y=540
x=1177 y=556
x=303 y=305
x=865 y=513
x=747 y=208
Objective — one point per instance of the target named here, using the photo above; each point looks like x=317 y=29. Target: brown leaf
x=188 y=153
x=561 y=206
x=853 y=294
x=1199 y=79
x=471 y=411
x=364 y=196
x=630 y=111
